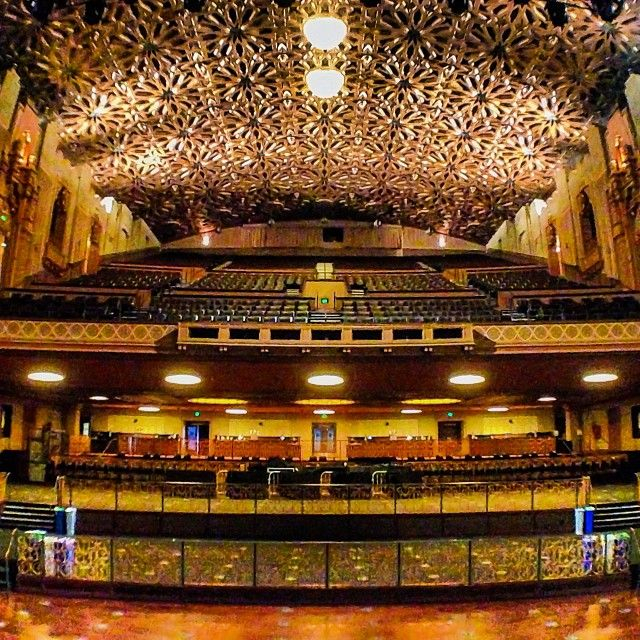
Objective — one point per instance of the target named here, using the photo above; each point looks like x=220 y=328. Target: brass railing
x=322 y=499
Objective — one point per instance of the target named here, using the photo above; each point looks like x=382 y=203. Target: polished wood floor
x=614 y=616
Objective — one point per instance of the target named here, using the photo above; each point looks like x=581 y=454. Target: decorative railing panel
x=152 y=562
x=365 y=564
x=434 y=563
x=571 y=556
x=504 y=560
x=293 y=565
x=218 y=564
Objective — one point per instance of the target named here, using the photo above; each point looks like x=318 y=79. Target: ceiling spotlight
x=325 y=380
x=40 y=9
x=324 y=31
x=94 y=11
x=608 y=10
x=45 y=376
x=324 y=83
x=98 y=398
x=458 y=6
x=183 y=379
x=557 y=13
x=498 y=409
x=547 y=399
x=323 y=412
x=148 y=408
x=236 y=412
x=194 y=5
x=467 y=378
x=410 y=411
x=603 y=376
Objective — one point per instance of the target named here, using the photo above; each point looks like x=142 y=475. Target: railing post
x=162 y=497
x=209 y=497
x=115 y=486
x=441 y=489
x=583 y=492
x=348 y=499
x=638 y=486
x=486 y=498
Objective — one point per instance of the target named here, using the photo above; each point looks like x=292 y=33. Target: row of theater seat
x=614 y=308
x=180 y=308
x=520 y=280
x=420 y=310
x=243 y=281
x=116 y=278
x=415 y=282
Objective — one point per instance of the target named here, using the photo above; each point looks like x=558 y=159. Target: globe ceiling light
x=183 y=379
x=467 y=379
x=324 y=32
x=600 y=376
x=325 y=82
x=45 y=376
x=325 y=380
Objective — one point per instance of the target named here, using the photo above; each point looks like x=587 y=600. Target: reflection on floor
x=614 y=616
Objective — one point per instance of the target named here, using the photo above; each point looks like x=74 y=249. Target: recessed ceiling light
x=323 y=412
x=602 y=376
x=98 y=398
x=45 y=376
x=324 y=31
x=183 y=379
x=325 y=380
x=431 y=401
x=236 y=412
x=547 y=399
x=327 y=402
x=148 y=408
x=325 y=82
x=409 y=411
x=467 y=378
x=498 y=409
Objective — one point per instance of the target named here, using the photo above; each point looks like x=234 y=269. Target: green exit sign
x=324 y=300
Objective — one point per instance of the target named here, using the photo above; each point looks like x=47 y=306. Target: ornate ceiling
x=448 y=122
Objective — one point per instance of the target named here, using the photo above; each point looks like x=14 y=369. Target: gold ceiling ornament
x=203 y=119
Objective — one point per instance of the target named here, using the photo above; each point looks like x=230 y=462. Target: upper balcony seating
x=384 y=310
x=122 y=278
x=620 y=307
x=61 y=307
x=210 y=309
x=396 y=282
x=246 y=281
x=520 y=280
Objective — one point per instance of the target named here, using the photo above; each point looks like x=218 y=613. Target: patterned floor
x=614 y=616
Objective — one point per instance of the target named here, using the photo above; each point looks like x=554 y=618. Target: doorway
x=196 y=438
x=323 y=437
x=450 y=430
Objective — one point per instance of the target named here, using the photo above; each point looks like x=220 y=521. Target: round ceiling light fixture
x=600 y=376
x=498 y=409
x=547 y=399
x=323 y=412
x=325 y=380
x=324 y=82
x=184 y=379
x=149 y=408
x=98 y=398
x=410 y=411
x=467 y=379
x=324 y=32
x=236 y=411
x=45 y=376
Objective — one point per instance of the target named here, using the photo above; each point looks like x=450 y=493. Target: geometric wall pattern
x=445 y=122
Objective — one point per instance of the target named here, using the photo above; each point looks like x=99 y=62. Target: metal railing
x=322 y=498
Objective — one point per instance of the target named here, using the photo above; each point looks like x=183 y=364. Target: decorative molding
x=81 y=336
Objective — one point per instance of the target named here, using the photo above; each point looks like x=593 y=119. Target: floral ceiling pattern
x=199 y=120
